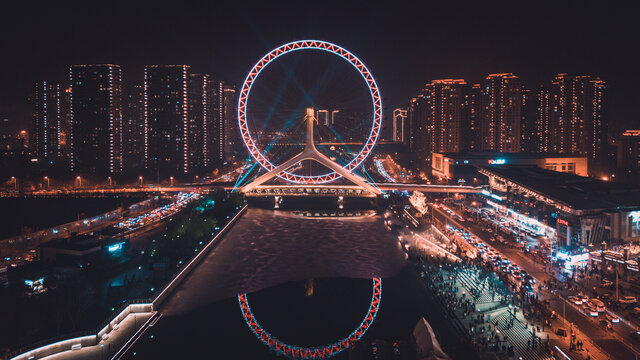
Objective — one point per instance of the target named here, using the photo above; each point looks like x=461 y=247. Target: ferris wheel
x=344 y=170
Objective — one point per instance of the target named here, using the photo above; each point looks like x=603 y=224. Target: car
x=614 y=319
x=606 y=283
x=597 y=304
x=628 y=300
x=576 y=300
x=592 y=311
x=605 y=323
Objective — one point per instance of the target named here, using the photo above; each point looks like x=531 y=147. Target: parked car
x=628 y=300
x=606 y=283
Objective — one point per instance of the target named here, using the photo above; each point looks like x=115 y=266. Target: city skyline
x=412 y=58
x=472 y=158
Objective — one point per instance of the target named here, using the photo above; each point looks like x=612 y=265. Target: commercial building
x=166 y=121
x=584 y=211
x=96 y=119
x=500 y=113
x=47 y=121
x=455 y=166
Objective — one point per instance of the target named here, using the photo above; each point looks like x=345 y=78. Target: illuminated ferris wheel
x=283 y=170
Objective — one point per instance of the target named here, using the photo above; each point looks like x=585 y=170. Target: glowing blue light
x=115 y=247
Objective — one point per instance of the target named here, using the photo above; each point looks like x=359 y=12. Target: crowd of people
x=481 y=304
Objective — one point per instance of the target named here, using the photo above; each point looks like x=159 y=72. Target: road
x=616 y=343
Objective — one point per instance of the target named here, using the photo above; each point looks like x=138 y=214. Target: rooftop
x=577 y=192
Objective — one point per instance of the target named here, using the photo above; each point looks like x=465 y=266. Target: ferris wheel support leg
x=322 y=159
x=273 y=173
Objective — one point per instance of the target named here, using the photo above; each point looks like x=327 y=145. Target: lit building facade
x=400 y=125
x=574 y=116
x=628 y=151
x=201 y=121
x=133 y=128
x=446 y=114
x=500 y=113
x=418 y=129
x=166 y=120
x=455 y=166
x=96 y=119
x=232 y=141
x=215 y=136
x=47 y=126
x=472 y=132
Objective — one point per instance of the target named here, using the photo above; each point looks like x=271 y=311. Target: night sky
x=404 y=44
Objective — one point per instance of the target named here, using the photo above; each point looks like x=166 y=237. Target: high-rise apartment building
x=96 y=118
x=133 y=127
x=201 y=120
x=400 y=125
x=418 y=130
x=472 y=132
x=166 y=120
x=573 y=115
x=232 y=141
x=500 y=113
x=446 y=115
x=529 y=139
x=215 y=135
x=47 y=121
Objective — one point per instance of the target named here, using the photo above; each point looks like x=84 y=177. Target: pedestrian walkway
x=107 y=348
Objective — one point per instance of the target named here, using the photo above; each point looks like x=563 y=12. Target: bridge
x=260 y=190
x=353 y=190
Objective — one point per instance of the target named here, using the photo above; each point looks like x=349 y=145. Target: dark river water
x=271 y=256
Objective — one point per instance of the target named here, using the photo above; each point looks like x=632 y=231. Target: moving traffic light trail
x=318 y=352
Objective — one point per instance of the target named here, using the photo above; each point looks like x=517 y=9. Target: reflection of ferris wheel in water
x=310 y=152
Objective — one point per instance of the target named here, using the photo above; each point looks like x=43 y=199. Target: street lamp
x=15 y=182
x=171 y=180
x=140 y=177
x=48 y=181
x=109 y=180
x=79 y=181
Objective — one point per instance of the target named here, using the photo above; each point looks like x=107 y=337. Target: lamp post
x=109 y=180
x=171 y=180
x=140 y=178
x=48 y=181
x=15 y=182
x=79 y=181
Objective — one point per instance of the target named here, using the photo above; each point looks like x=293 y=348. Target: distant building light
x=497 y=161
